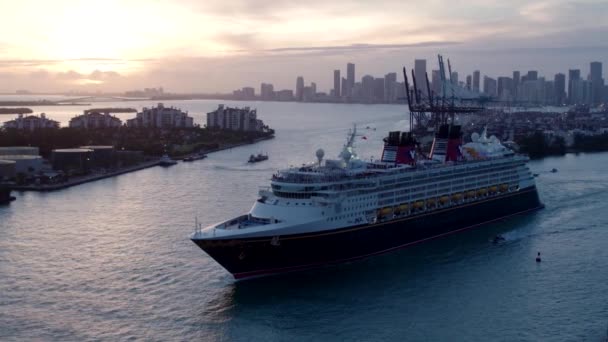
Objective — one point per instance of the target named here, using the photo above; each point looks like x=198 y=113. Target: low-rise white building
x=161 y=117
x=92 y=120
x=235 y=119
x=26 y=164
x=31 y=122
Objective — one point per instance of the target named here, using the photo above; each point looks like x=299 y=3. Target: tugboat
x=165 y=160
x=255 y=159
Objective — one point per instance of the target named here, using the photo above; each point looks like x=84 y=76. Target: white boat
x=165 y=160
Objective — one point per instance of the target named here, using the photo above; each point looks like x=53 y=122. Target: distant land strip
x=15 y=111
x=111 y=110
x=40 y=103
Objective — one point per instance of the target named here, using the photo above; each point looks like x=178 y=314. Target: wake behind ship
x=343 y=209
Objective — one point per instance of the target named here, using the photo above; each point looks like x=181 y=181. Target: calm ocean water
x=111 y=260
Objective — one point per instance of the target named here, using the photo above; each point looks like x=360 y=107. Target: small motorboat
x=553 y=170
x=165 y=160
x=257 y=158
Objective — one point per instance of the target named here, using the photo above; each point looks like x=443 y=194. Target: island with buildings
x=37 y=154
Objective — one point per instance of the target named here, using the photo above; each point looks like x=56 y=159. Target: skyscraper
x=350 y=78
x=574 y=75
x=436 y=86
x=390 y=81
x=299 y=88
x=454 y=77
x=367 y=85
x=469 y=82
x=476 y=79
x=532 y=75
x=489 y=86
x=516 y=83
x=379 y=89
x=505 y=86
x=337 y=83
x=420 y=74
x=267 y=91
x=559 y=84
x=597 y=82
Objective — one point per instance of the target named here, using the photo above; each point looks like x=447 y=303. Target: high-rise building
x=390 y=80
x=505 y=88
x=550 y=94
x=248 y=93
x=476 y=79
x=436 y=83
x=267 y=91
x=532 y=75
x=597 y=82
x=350 y=79
x=489 y=86
x=574 y=75
x=157 y=117
x=308 y=94
x=516 y=83
x=299 y=88
x=379 y=89
x=367 y=89
x=420 y=74
x=337 y=88
x=313 y=88
x=454 y=77
x=469 y=82
x=533 y=91
x=344 y=90
x=559 y=88
x=284 y=95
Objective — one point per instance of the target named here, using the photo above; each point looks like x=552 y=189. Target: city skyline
x=244 y=42
x=524 y=87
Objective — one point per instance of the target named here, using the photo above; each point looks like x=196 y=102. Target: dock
x=84 y=179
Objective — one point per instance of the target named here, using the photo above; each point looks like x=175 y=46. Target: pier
x=84 y=179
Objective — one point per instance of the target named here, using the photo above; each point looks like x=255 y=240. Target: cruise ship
x=339 y=210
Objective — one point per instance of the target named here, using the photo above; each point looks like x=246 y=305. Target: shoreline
x=84 y=179
x=91 y=178
x=255 y=141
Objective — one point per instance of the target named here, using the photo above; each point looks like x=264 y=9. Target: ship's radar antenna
x=320 y=154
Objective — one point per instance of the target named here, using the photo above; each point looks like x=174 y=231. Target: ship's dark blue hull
x=252 y=257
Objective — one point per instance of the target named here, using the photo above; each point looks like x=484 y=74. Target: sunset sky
x=213 y=45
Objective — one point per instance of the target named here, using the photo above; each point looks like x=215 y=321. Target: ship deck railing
x=299 y=177
x=245 y=221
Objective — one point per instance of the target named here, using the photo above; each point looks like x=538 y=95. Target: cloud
x=103 y=75
x=69 y=75
x=355 y=47
x=241 y=41
x=39 y=74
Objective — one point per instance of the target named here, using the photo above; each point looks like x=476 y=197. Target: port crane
x=432 y=109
